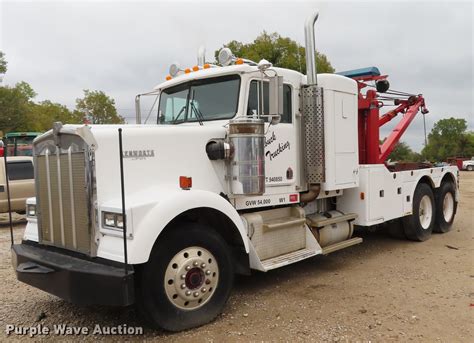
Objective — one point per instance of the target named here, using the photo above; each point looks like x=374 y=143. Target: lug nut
x=183 y=286
x=208 y=272
x=195 y=263
x=183 y=276
x=188 y=293
x=196 y=294
x=188 y=268
x=203 y=265
x=204 y=290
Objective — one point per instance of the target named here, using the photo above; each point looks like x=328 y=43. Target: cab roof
x=220 y=71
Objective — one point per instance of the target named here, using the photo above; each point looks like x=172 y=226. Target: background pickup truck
x=22 y=186
x=468 y=165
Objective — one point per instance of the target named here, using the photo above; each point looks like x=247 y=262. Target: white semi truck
x=249 y=167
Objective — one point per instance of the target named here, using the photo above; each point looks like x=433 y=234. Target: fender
x=148 y=220
x=435 y=177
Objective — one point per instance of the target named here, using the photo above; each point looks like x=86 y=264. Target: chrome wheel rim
x=425 y=212
x=191 y=278
x=448 y=207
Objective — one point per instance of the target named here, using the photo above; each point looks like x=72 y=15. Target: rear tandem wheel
x=419 y=225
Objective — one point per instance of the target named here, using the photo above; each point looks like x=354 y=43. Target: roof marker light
x=206 y=66
x=187 y=71
x=239 y=61
x=196 y=68
x=168 y=77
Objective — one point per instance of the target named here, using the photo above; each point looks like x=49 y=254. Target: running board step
x=285 y=259
x=341 y=245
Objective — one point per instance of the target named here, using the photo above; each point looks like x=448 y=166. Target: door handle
x=2 y=188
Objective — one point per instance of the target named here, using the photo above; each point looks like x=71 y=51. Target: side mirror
x=275 y=98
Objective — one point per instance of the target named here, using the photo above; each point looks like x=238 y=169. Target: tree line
x=448 y=138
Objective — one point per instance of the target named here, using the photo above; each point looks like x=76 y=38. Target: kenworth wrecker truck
x=249 y=167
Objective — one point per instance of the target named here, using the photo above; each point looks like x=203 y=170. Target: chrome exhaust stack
x=311 y=72
x=201 y=57
x=313 y=113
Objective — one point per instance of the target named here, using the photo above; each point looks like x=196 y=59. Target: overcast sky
x=124 y=48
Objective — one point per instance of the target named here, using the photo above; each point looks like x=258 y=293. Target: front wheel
x=187 y=280
x=419 y=225
x=470 y=168
x=446 y=206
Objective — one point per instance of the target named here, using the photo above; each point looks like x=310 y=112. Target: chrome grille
x=63 y=199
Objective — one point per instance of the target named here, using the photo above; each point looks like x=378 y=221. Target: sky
x=124 y=48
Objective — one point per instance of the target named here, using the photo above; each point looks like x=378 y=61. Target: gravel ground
x=381 y=290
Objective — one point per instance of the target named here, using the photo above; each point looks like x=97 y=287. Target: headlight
x=31 y=210
x=112 y=220
x=119 y=221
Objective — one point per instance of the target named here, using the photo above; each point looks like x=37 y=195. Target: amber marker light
x=185 y=182
x=168 y=77
x=206 y=66
x=187 y=70
x=239 y=61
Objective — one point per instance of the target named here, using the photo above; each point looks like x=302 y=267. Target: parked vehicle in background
x=456 y=161
x=21 y=181
x=468 y=165
x=19 y=143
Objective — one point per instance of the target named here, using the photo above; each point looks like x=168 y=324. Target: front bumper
x=75 y=279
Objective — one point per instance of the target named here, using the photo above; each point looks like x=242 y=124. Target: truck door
x=280 y=139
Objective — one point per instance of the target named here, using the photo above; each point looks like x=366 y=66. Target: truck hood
x=154 y=157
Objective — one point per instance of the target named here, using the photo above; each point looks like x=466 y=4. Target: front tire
x=446 y=206
x=470 y=168
x=419 y=225
x=187 y=280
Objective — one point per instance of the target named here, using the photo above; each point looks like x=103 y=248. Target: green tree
x=97 y=108
x=3 y=63
x=449 y=138
x=41 y=116
x=401 y=152
x=283 y=52
x=15 y=105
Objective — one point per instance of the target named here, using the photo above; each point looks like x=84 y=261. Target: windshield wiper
x=179 y=114
x=198 y=113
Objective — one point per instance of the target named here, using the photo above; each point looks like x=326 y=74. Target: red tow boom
x=370 y=121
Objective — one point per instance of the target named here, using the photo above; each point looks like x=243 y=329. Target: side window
x=20 y=170
x=253 y=100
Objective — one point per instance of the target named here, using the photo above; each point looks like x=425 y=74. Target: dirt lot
x=383 y=289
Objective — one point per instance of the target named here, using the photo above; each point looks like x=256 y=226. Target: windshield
x=200 y=100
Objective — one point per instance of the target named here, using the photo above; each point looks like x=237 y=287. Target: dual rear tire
x=432 y=212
